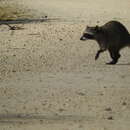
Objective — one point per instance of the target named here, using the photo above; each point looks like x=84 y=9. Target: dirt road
x=48 y=77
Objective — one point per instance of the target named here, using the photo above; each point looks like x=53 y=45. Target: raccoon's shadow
x=121 y=64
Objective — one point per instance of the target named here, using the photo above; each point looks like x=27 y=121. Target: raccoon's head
x=90 y=33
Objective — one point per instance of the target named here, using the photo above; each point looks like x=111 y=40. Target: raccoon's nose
x=82 y=38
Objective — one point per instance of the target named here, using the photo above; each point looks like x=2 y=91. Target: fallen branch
x=14 y=27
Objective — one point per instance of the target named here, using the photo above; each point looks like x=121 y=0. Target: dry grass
x=13 y=12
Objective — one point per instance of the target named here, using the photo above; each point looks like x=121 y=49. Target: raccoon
x=112 y=36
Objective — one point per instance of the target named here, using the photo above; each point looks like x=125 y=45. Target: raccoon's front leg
x=98 y=53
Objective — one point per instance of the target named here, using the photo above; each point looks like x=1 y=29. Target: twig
x=14 y=27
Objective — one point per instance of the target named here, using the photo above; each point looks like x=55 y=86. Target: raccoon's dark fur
x=112 y=36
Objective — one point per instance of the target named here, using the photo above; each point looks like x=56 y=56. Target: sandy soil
x=48 y=77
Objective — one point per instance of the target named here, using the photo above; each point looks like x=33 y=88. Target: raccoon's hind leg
x=115 y=55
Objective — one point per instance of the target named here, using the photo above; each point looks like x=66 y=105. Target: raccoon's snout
x=83 y=38
x=87 y=36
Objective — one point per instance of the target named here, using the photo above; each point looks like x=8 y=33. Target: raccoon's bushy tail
x=129 y=37
x=129 y=40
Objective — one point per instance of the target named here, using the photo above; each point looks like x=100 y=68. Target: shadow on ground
x=32 y=118
x=26 y=21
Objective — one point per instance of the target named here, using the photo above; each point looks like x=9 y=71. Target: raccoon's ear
x=98 y=29
x=87 y=26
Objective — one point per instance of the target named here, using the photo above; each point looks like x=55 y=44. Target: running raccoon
x=112 y=36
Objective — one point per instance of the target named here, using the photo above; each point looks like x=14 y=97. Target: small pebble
x=61 y=110
x=124 y=103
x=110 y=118
x=81 y=93
x=108 y=109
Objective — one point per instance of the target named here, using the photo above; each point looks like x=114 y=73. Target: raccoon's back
x=116 y=32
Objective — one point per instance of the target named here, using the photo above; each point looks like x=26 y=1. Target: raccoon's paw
x=112 y=62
